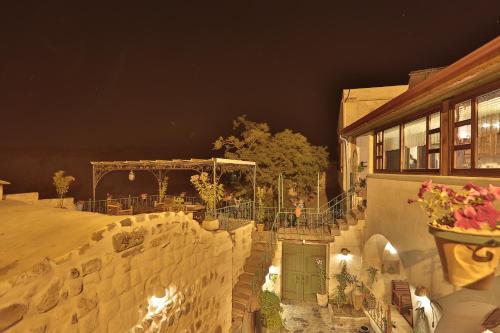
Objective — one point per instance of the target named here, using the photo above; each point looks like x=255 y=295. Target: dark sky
x=172 y=75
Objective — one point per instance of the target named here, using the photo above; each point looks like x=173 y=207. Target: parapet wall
x=147 y=273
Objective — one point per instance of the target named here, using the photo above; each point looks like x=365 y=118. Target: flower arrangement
x=474 y=208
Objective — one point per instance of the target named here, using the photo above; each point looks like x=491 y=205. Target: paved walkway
x=306 y=317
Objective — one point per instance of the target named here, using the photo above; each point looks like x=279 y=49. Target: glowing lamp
x=391 y=249
x=131 y=176
x=345 y=254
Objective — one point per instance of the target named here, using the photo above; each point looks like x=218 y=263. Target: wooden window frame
x=472 y=96
x=426 y=113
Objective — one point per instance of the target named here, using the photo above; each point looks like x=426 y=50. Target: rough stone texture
x=108 y=286
x=126 y=240
x=10 y=315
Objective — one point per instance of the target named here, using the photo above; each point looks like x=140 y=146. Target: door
x=300 y=274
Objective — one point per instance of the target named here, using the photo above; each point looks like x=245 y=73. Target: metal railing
x=378 y=311
x=231 y=217
x=138 y=204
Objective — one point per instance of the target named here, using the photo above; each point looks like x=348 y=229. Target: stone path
x=306 y=317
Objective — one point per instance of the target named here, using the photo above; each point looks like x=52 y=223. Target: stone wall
x=147 y=273
x=29 y=197
x=242 y=248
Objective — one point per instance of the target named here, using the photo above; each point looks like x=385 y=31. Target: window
x=391 y=148
x=488 y=131
x=462 y=135
x=415 y=149
x=476 y=133
x=421 y=145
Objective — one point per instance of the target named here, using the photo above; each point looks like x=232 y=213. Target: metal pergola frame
x=216 y=166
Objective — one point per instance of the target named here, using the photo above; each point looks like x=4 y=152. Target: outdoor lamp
x=345 y=251
x=131 y=176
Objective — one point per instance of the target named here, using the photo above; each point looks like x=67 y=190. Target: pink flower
x=487 y=213
x=495 y=190
x=466 y=218
x=425 y=187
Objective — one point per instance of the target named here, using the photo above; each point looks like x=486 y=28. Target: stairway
x=255 y=271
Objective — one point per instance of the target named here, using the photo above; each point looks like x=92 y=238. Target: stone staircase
x=255 y=270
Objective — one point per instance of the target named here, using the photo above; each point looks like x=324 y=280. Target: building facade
x=444 y=127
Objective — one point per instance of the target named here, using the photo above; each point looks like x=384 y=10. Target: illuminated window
x=462 y=135
x=488 y=130
x=415 y=149
x=391 y=149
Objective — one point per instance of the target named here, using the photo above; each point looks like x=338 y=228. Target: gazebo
x=215 y=166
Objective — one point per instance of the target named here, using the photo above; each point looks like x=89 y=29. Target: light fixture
x=344 y=255
x=391 y=249
x=131 y=175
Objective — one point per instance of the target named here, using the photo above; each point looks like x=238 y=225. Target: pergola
x=214 y=166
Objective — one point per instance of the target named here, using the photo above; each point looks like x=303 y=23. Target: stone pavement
x=307 y=317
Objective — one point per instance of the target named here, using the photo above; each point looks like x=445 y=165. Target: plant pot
x=210 y=225
x=468 y=260
x=260 y=227
x=357 y=299
x=322 y=299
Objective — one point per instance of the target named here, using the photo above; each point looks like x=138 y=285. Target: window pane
x=391 y=148
x=434 y=121
x=415 y=152
x=379 y=150
x=488 y=131
x=462 y=159
x=379 y=137
x=463 y=111
x=462 y=135
x=434 y=161
x=434 y=140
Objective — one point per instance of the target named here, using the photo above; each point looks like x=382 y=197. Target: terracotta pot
x=210 y=225
x=322 y=299
x=260 y=227
x=468 y=260
x=357 y=299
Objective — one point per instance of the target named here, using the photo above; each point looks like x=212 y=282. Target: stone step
x=245 y=293
x=242 y=307
x=237 y=312
x=241 y=298
x=237 y=325
x=351 y=220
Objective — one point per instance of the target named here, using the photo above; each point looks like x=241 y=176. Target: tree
x=286 y=152
x=163 y=188
x=209 y=192
x=62 y=183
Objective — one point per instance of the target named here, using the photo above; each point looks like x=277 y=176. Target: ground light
x=131 y=176
x=425 y=303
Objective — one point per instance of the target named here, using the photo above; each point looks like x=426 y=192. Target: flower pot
x=210 y=225
x=357 y=299
x=322 y=299
x=260 y=227
x=469 y=260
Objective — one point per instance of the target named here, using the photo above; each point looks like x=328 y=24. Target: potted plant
x=321 y=295
x=466 y=229
x=270 y=311
x=344 y=279
x=260 y=209
x=162 y=189
x=210 y=193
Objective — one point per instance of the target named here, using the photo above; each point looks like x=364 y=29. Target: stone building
x=445 y=127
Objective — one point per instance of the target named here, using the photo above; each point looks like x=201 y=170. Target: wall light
x=344 y=255
x=391 y=249
x=131 y=176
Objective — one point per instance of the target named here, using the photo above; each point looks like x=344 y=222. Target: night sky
x=104 y=80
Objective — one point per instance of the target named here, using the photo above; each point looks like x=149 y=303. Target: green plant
x=210 y=192
x=270 y=309
x=62 y=183
x=372 y=275
x=322 y=276
x=344 y=279
x=286 y=152
x=260 y=202
x=163 y=188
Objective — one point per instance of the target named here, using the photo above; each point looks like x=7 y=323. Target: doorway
x=300 y=273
